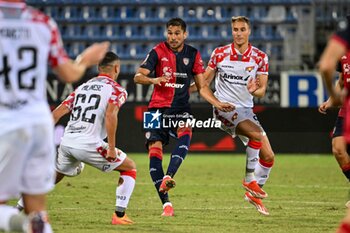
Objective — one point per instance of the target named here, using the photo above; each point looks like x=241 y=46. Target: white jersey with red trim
x=88 y=104
x=29 y=42
x=233 y=71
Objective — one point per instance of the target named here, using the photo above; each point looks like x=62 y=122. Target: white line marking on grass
x=267 y=185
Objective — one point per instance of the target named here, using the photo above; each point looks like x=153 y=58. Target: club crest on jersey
x=186 y=61
x=249 y=68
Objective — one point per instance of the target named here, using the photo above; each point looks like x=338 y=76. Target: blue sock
x=157 y=173
x=178 y=154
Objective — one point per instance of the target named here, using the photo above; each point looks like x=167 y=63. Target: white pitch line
x=267 y=185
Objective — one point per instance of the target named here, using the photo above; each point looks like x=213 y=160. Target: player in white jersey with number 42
x=30 y=42
x=241 y=73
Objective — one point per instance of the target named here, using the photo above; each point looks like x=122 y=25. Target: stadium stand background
x=292 y=32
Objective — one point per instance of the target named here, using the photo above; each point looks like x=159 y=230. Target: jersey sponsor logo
x=233 y=77
x=73 y=129
x=180 y=75
x=174 y=85
x=186 y=61
x=164 y=59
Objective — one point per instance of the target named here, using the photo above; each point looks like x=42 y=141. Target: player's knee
x=255 y=136
x=337 y=151
x=184 y=131
x=268 y=155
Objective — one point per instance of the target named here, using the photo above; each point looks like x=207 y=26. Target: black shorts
x=338 y=127
x=164 y=133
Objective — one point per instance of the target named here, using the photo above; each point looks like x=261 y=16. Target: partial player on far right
x=241 y=72
x=337 y=47
x=338 y=142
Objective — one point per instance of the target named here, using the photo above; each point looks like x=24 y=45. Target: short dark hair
x=240 y=19
x=177 y=22
x=108 y=59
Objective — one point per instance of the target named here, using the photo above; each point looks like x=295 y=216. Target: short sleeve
x=57 y=54
x=213 y=61
x=150 y=61
x=118 y=98
x=263 y=66
x=69 y=101
x=198 y=67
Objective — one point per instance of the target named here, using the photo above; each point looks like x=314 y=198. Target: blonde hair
x=240 y=19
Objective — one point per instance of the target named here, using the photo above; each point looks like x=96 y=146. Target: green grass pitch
x=307 y=194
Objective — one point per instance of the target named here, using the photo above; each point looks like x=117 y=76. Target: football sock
x=125 y=188
x=178 y=154
x=346 y=171
x=262 y=171
x=156 y=171
x=252 y=151
x=6 y=214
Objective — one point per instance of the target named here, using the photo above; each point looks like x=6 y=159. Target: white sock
x=6 y=213
x=252 y=160
x=167 y=204
x=262 y=173
x=124 y=191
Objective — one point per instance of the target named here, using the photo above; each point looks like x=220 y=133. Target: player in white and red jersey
x=93 y=109
x=29 y=42
x=241 y=73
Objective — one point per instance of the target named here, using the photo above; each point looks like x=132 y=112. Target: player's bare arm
x=329 y=102
x=207 y=94
x=72 y=71
x=141 y=77
x=111 y=123
x=209 y=76
x=257 y=87
x=59 y=112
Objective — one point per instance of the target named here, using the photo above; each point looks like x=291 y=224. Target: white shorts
x=27 y=161
x=69 y=160
x=230 y=120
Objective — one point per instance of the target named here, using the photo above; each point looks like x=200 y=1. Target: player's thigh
x=14 y=148
x=249 y=129
x=127 y=165
x=66 y=163
x=39 y=170
x=158 y=137
x=96 y=160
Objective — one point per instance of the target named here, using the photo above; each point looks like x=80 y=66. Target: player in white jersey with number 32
x=29 y=42
x=241 y=73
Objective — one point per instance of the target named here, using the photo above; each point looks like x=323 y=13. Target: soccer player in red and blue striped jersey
x=175 y=65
